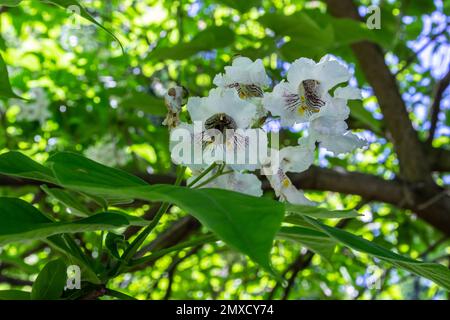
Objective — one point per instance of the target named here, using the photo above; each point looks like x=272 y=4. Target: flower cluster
x=225 y=123
x=108 y=153
x=36 y=109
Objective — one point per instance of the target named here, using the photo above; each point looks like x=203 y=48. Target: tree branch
x=436 y=105
x=413 y=163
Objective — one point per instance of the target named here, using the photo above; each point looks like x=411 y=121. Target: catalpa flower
x=289 y=159
x=246 y=76
x=246 y=183
x=219 y=130
x=306 y=91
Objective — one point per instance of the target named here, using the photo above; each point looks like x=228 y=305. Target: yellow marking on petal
x=286 y=182
x=301 y=110
x=242 y=95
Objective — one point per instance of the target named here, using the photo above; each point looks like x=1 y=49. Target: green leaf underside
x=67 y=199
x=229 y=214
x=321 y=213
x=432 y=271
x=49 y=284
x=314 y=240
x=20 y=221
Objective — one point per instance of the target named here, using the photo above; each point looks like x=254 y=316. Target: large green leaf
x=248 y=224
x=211 y=38
x=20 y=221
x=5 y=86
x=49 y=284
x=16 y=164
x=14 y=295
x=314 y=240
x=77 y=8
x=433 y=271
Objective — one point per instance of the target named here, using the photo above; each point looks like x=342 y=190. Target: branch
x=436 y=105
x=413 y=162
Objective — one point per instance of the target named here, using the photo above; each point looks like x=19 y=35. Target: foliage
x=134 y=226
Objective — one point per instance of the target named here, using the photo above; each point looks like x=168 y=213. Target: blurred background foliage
x=107 y=104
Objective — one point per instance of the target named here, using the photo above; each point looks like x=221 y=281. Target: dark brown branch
x=413 y=163
x=436 y=105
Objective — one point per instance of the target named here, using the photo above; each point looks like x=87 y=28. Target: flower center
x=221 y=122
x=247 y=90
x=310 y=100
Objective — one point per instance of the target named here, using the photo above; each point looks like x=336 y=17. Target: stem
x=201 y=175
x=218 y=174
x=134 y=246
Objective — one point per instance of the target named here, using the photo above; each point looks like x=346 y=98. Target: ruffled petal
x=296 y=159
x=342 y=143
x=349 y=93
x=330 y=73
x=301 y=69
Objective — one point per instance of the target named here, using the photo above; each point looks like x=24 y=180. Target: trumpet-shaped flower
x=306 y=91
x=290 y=159
x=219 y=130
x=246 y=76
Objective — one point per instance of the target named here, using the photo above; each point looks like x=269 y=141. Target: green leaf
x=246 y=223
x=14 y=295
x=20 y=221
x=16 y=164
x=321 y=213
x=69 y=200
x=5 y=86
x=362 y=114
x=114 y=242
x=50 y=282
x=211 y=38
x=432 y=271
x=316 y=241
x=77 y=8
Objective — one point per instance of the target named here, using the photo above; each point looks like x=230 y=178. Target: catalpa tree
x=217 y=149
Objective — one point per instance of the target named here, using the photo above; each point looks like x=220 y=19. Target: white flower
x=219 y=130
x=291 y=159
x=306 y=91
x=285 y=190
x=246 y=183
x=246 y=76
x=108 y=153
x=36 y=109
